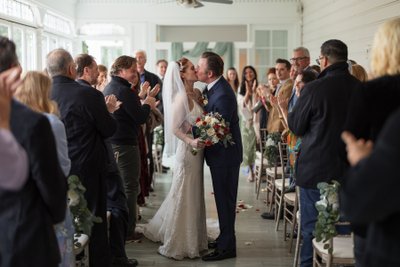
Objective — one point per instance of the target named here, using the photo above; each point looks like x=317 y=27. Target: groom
x=224 y=162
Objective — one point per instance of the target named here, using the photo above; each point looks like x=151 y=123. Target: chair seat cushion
x=342 y=249
x=279 y=183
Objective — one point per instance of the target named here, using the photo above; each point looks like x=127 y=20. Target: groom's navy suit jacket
x=222 y=99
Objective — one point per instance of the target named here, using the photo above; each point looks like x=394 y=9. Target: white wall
x=352 y=21
x=140 y=18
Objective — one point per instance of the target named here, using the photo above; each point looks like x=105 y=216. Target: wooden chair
x=260 y=163
x=290 y=208
x=272 y=172
x=280 y=184
x=342 y=254
x=298 y=240
x=81 y=251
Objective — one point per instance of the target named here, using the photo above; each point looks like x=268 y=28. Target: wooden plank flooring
x=258 y=244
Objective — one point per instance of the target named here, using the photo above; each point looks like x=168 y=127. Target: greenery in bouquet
x=271 y=148
x=328 y=212
x=212 y=129
x=82 y=217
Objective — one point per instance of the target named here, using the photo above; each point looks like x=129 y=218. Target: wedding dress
x=180 y=222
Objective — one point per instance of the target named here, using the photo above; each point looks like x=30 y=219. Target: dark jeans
x=309 y=215
x=129 y=168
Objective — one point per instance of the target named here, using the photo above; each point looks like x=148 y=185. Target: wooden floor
x=258 y=244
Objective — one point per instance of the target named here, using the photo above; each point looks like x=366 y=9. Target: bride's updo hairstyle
x=122 y=63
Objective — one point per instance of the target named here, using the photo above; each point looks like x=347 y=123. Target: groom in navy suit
x=224 y=162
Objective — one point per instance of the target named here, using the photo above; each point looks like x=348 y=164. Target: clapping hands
x=112 y=103
x=356 y=149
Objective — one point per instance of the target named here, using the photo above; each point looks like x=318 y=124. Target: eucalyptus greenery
x=328 y=213
x=271 y=151
x=82 y=217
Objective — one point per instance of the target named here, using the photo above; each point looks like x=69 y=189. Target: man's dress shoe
x=212 y=244
x=218 y=255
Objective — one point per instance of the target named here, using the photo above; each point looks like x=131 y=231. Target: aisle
x=258 y=244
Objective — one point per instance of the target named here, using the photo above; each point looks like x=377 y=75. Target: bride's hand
x=197 y=143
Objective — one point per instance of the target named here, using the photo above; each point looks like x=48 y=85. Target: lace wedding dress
x=180 y=222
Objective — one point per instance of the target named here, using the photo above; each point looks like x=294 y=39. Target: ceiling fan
x=197 y=3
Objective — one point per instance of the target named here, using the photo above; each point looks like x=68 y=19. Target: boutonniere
x=204 y=100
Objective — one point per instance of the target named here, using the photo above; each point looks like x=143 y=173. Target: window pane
x=109 y=54
x=31 y=51
x=279 y=38
x=279 y=53
x=161 y=54
x=262 y=38
x=4 y=30
x=242 y=61
x=45 y=49
x=17 y=38
x=262 y=57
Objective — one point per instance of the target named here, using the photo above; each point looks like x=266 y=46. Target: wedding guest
x=366 y=122
x=318 y=118
x=359 y=72
x=369 y=191
x=246 y=99
x=13 y=158
x=153 y=80
x=35 y=92
x=41 y=202
x=233 y=79
x=162 y=65
x=87 y=123
x=102 y=79
x=129 y=117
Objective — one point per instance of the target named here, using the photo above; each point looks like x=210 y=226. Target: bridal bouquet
x=212 y=129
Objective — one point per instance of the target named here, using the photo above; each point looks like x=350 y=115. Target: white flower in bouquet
x=214 y=121
x=211 y=132
x=73 y=197
x=208 y=119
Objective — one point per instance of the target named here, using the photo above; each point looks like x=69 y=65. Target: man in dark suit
x=224 y=162
x=87 y=123
x=87 y=73
x=27 y=216
x=318 y=118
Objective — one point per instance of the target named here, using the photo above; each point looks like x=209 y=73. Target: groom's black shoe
x=212 y=244
x=218 y=255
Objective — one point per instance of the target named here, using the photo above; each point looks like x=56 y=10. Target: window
x=16 y=9
x=57 y=24
x=268 y=46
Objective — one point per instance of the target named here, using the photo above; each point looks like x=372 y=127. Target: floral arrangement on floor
x=82 y=217
x=212 y=129
x=328 y=213
x=271 y=148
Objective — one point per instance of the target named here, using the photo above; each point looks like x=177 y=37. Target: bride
x=180 y=222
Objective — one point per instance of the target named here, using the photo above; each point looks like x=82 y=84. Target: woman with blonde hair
x=35 y=93
x=371 y=106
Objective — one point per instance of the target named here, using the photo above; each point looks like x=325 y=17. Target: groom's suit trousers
x=225 y=183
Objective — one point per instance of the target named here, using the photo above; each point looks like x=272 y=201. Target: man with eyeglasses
x=317 y=118
x=300 y=62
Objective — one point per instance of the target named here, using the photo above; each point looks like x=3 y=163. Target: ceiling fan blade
x=219 y=1
x=198 y=4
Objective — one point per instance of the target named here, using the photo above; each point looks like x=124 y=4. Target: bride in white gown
x=180 y=222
